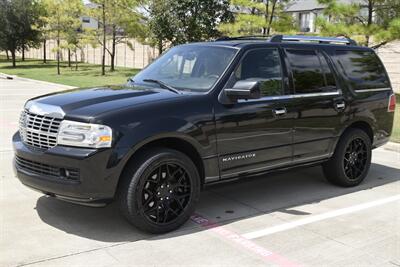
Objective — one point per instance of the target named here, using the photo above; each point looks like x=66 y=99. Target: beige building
x=306 y=12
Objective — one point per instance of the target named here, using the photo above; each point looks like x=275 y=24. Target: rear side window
x=363 y=69
x=311 y=73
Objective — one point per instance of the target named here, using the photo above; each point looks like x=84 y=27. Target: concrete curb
x=392 y=147
x=6 y=76
x=15 y=77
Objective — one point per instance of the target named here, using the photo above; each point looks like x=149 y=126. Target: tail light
x=392 y=103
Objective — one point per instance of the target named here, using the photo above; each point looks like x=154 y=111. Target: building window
x=86 y=20
x=304 y=19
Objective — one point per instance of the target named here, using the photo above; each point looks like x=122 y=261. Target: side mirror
x=244 y=90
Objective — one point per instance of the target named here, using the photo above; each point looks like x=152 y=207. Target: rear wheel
x=159 y=192
x=351 y=160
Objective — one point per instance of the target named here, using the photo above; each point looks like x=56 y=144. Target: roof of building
x=309 y=5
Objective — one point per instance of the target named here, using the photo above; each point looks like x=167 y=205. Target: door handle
x=280 y=111
x=340 y=105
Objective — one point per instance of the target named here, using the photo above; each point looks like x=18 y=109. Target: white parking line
x=320 y=217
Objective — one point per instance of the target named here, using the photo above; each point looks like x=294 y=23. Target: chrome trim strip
x=45 y=109
x=373 y=90
x=316 y=94
x=280 y=97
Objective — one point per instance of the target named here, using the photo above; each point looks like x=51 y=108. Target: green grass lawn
x=88 y=75
x=396 y=127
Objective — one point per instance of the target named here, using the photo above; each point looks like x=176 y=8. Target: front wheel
x=159 y=191
x=351 y=161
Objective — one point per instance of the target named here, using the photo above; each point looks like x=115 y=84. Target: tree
x=258 y=17
x=181 y=21
x=42 y=27
x=76 y=40
x=116 y=18
x=372 y=22
x=3 y=43
x=17 y=18
x=63 y=16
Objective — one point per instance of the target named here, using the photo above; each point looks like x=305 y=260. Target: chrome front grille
x=38 y=130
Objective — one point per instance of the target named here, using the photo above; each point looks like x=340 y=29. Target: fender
x=145 y=133
x=346 y=124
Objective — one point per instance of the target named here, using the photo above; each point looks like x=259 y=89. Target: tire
x=351 y=160
x=159 y=190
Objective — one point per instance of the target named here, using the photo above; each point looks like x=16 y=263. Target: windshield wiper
x=162 y=85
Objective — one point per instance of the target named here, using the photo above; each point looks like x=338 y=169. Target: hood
x=86 y=104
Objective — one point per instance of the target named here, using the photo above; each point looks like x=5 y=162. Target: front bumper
x=93 y=181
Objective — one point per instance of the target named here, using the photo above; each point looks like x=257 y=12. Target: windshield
x=190 y=67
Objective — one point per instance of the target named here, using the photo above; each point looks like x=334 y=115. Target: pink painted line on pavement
x=267 y=255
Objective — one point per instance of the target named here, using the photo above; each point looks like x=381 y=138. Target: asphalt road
x=292 y=218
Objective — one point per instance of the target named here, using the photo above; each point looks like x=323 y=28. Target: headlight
x=72 y=133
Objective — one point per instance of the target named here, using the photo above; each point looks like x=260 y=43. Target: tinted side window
x=307 y=72
x=329 y=77
x=262 y=65
x=363 y=69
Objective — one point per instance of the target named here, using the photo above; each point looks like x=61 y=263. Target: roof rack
x=319 y=39
x=245 y=37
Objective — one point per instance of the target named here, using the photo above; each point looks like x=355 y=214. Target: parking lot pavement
x=292 y=218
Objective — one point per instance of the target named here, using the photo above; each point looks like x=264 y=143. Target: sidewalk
x=15 y=77
x=393 y=146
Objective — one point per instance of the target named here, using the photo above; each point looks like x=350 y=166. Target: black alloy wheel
x=159 y=190
x=351 y=160
x=166 y=193
x=355 y=158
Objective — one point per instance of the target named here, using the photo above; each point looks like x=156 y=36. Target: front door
x=256 y=135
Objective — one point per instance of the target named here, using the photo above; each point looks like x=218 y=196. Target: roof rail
x=248 y=37
x=319 y=39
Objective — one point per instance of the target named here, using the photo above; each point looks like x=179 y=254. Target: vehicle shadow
x=221 y=203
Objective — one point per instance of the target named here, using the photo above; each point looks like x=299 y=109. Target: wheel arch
x=180 y=143
x=362 y=125
x=356 y=124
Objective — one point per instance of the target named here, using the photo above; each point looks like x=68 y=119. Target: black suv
x=204 y=113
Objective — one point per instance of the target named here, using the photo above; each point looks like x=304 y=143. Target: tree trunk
x=8 y=56
x=44 y=51
x=23 y=53
x=114 y=36
x=58 y=53
x=13 y=58
x=264 y=30
x=69 y=57
x=76 y=60
x=370 y=14
x=103 y=60
x=160 y=47
x=271 y=16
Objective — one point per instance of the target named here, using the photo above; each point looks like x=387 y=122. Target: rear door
x=317 y=102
